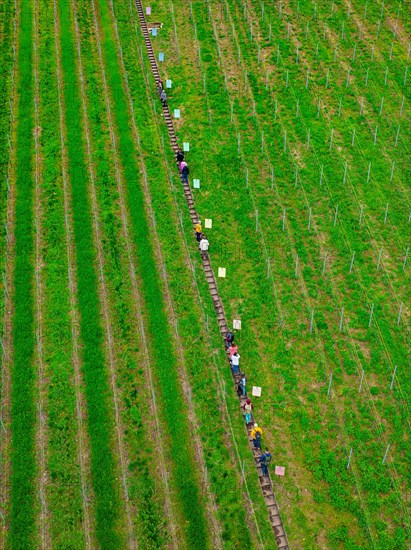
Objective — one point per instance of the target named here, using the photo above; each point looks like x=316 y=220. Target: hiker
x=203 y=246
x=184 y=172
x=241 y=385
x=247 y=408
x=198 y=231
x=265 y=460
x=256 y=434
x=163 y=97
x=179 y=157
x=160 y=86
x=235 y=363
x=229 y=339
x=232 y=349
x=181 y=165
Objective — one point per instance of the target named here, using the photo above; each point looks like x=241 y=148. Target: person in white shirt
x=235 y=363
x=203 y=246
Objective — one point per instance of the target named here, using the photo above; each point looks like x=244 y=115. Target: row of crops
x=303 y=163
x=118 y=424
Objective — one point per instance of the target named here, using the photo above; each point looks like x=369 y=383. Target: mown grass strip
x=165 y=362
x=7 y=14
x=144 y=490
x=64 y=487
x=23 y=416
x=95 y=374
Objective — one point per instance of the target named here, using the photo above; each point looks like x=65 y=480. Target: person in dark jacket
x=229 y=339
x=241 y=388
x=184 y=173
x=265 y=460
x=180 y=156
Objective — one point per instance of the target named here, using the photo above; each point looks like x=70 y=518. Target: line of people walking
x=247 y=407
x=232 y=349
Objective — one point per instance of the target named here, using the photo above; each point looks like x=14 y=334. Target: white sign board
x=161 y=56
x=186 y=146
x=279 y=470
x=168 y=83
x=154 y=31
x=221 y=271
x=176 y=113
x=256 y=391
x=208 y=223
x=196 y=184
x=236 y=324
x=148 y=10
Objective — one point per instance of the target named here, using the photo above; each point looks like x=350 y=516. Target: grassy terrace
x=293 y=357
x=205 y=391
x=22 y=406
x=297 y=114
x=64 y=488
x=94 y=369
x=145 y=488
x=8 y=16
x=163 y=354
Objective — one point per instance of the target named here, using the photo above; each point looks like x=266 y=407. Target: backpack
x=258 y=435
x=267 y=459
x=185 y=170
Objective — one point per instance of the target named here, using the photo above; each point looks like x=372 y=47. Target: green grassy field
x=119 y=420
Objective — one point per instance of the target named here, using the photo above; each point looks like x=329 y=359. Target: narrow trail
x=7 y=340
x=103 y=292
x=265 y=481
x=138 y=304
x=83 y=440
x=211 y=505
x=41 y=434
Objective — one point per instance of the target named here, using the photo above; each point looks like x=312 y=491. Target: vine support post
x=361 y=214
x=352 y=261
x=324 y=264
x=399 y=313
x=361 y=381
x=335 y=215
x=393 y=377
x=342 y=318
x=349 y=459
x=379 y=260
x=405 y=259
x=386 y=453
x=371 y=314
x=329 y=384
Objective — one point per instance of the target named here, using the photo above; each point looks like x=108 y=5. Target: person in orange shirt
x=256 y=434
x=198 y=230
